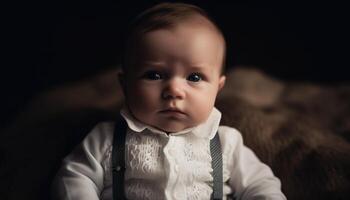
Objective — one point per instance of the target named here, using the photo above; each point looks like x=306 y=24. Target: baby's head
x=172 y=67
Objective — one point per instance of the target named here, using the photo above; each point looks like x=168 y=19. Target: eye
x=152 y=75
x=195 y=77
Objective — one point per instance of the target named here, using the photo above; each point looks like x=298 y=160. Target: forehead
x=194 y=42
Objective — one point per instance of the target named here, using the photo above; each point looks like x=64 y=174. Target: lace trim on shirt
x=144 y=162
x=141 y=189
x=143 y=155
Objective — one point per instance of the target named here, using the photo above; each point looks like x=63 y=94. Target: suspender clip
x=118 y=168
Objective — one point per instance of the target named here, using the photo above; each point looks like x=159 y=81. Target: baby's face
x=175 y=77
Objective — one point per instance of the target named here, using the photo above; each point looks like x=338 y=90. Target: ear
x=222 y=81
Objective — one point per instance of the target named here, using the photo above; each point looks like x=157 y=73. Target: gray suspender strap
x=118 y=159
x=216 y=164
x=118 y=162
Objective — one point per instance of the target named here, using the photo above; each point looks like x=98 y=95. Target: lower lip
x=172 y=112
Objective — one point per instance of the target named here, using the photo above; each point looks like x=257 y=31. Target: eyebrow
x=197 y=67
x=153 y=63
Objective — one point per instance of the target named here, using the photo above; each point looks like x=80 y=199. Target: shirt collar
x=203 y=130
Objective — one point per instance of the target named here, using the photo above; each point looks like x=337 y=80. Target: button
x=117 y=168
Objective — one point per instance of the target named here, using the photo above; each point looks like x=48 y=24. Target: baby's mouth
x=172 y=111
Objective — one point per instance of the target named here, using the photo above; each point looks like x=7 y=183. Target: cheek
x=202 y=104
x=143 y=96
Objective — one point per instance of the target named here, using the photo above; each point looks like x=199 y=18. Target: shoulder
x=228 y=132
x=95 y=144
x=230 y=138
x=100 y=137
x=102 y=130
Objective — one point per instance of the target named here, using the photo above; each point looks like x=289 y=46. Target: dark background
x=51 y=44
x=48 y=44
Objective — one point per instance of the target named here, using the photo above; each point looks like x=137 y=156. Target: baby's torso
x=173 y=167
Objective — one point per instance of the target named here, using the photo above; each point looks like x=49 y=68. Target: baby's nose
x=174 y=89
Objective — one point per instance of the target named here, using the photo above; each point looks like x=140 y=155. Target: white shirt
x=164 y=166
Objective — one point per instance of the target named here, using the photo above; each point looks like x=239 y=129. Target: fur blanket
x=301 y=130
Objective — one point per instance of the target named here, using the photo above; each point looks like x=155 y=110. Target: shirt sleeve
x=249 y=177
x=81 y=174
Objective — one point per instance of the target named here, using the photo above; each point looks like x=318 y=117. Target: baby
x=172 y=73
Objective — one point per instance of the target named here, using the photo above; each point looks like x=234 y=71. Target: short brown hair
x=163 y=15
